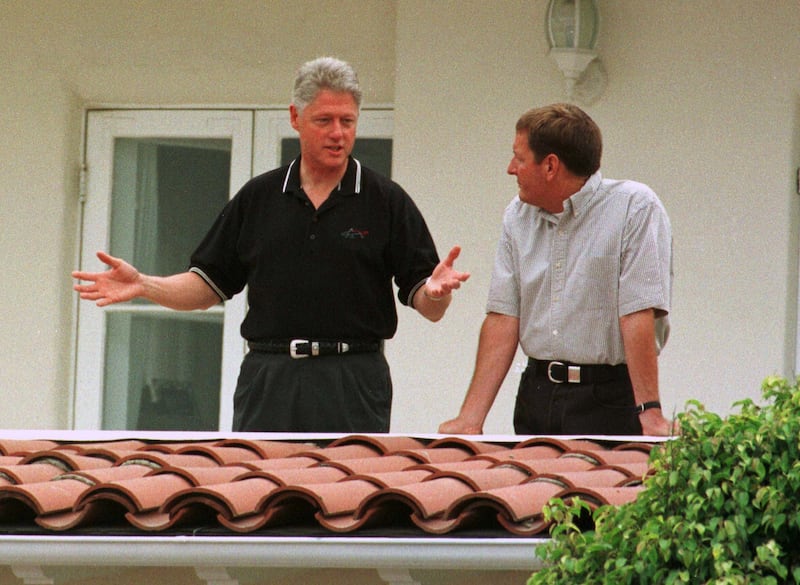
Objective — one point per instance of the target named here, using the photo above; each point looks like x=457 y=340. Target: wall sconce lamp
x=572 y=27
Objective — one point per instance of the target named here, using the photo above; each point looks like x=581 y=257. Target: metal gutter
x=286 y=552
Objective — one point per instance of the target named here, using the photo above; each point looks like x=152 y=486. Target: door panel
x=156 y=180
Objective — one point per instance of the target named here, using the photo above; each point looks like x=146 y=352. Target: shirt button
x=313 y=236
x=555 y=331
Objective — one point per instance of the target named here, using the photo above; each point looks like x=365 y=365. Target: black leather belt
x=303 y=348
x=567 y=372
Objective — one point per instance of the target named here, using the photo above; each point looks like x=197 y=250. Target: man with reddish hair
x=582 y=281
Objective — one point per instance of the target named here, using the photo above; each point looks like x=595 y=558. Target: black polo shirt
x=318 y=273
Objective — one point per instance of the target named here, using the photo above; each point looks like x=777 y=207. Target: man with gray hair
x=317 y=244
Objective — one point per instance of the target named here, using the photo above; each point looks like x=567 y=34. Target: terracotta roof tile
x=158 y=459
x=67 y=460
x=281 y=463
x=10 y=459
x=636 y=471
x=88 y=448
x=24 y=447
x=231 y=499
x=137 y=494
x=518 y=508
x=171 y=447
x=45 y=497
x=347 y=484
x=557 y=465
x=607 y=456
x=436 y=455
x=599 y=477
x=472 y=463
x=291 y=476
x=471 y=447
x=206 y=475
x=563 y=445
x=268 y=449
x=374 y=464
x=107 y=474
x=424 y=499
x=31 y=473
x=341 y=452
x=384 y=444
x=328 y=499
x=222 y=455
x=643 y=447
x=393 y=478
x=486 y=479
x=523 y=454
x=600 y=496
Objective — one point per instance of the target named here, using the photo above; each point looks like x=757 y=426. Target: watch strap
x=640 y=408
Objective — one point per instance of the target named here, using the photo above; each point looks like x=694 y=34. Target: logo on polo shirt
x=354 y=234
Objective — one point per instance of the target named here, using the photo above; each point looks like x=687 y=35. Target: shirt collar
x=577 y=201
x=349 y=185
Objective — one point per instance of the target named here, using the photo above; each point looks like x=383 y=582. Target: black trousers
x=325 y=394
x=548 y=408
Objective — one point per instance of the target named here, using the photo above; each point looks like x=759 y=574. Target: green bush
x=721 y=507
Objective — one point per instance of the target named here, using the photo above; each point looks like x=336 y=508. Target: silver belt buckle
x=573 y=373
x=293 y=348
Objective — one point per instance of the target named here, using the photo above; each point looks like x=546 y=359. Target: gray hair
x=324 y=73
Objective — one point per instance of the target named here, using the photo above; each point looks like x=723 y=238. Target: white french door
x=155 y=181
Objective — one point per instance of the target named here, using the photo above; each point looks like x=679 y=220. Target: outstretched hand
x=445 y=278
x=119 y=284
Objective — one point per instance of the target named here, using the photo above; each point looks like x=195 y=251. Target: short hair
x=566 y=131
x=324 y=73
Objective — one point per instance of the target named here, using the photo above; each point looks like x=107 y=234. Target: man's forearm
x=496 y=348
x=638 y=337
x=186 y=291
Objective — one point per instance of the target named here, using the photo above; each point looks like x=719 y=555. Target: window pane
x=162 y=371
x=162 y=368
x=165 y=195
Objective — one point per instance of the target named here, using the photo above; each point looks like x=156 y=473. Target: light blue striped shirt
x=568 y=277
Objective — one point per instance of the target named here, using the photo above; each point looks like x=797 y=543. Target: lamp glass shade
x=572 y=24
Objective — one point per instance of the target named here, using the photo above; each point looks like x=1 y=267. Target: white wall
x=702 y=103
x=41 y=133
